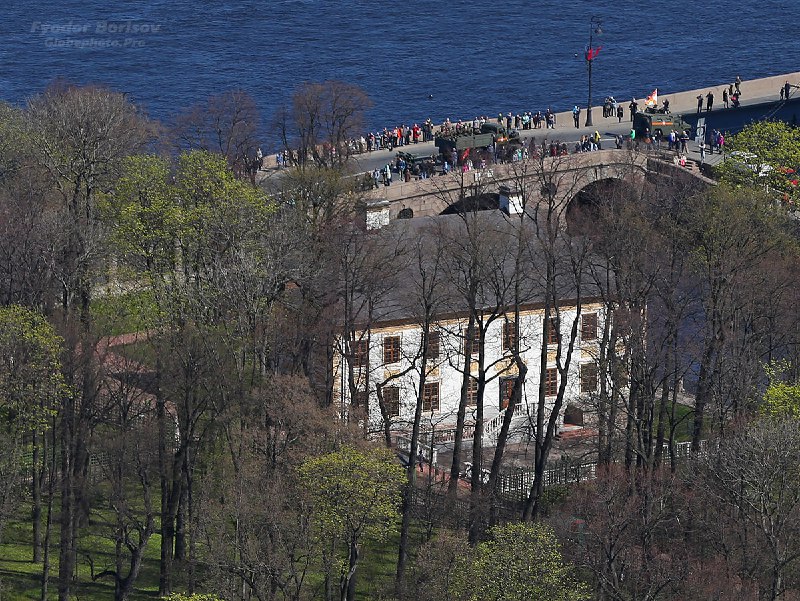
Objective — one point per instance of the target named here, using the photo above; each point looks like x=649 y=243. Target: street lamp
x=594 y=28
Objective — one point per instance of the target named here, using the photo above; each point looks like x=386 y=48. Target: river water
x=415 y=59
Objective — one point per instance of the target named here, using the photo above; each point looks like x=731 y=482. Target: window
x=476 y=340
x=552 y=331
x=391 y=349
x=551 y=382
x=391 y=399
x=506 y=388
x=430 y=396
x=361 y=399
x=432 y=350
x=589 y=326
x=509 y=336
x=472 y=391
x=588 y=377
x=361 y=354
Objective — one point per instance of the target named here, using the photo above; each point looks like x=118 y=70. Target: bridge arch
x=584 y=208
x=480 y=202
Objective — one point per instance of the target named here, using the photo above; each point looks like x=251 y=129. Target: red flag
x=592 y=53
x=464 y=155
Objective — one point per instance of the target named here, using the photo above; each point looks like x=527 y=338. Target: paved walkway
x=752 y=92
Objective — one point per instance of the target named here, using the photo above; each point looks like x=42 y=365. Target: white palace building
x=387 y=351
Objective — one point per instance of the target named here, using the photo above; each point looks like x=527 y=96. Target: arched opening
x=480 y=202
x=405 y=214
x=585 y=207
x=573 y=416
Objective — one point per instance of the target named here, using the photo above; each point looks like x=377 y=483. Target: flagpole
x=594 y=21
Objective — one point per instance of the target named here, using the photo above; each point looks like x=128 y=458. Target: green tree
x=519 y=562
x=144 y=214
x=30 y=384
x=191 y=597
x=355 y=496
x=781 y=398
x=770 y=158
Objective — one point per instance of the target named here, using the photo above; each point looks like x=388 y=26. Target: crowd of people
x=402 y=136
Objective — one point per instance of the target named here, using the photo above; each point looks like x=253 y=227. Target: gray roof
x=444 y=255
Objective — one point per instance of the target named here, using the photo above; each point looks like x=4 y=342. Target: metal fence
x=515 y=486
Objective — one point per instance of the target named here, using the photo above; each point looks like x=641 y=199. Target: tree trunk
x=348 y=585
x=66 y=556
x=411 y=470
x=455 y=467
x=703 y=392
x=180 y=522
x=39 y=456
x=476 y=508
x=167 y=525
x=502 y=438
x=546 y=435
x=48 y=528
x=540 y=456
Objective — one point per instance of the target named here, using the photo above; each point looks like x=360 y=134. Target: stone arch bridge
x=562 y=178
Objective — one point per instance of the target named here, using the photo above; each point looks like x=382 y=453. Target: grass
x=683 y=420
x=20 y=578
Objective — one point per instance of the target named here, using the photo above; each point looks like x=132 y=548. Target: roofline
x=455 y=315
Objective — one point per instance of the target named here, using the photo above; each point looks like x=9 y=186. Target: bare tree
x=626 y=536
x=226 y=124
x=562 y=263
x=83 y=134
x=751 y=481
x=427 y=301
x=737 y=238
x=323 y=118
x=128 y=441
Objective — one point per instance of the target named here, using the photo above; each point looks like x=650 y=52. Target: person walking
x=702 y=147
x=709 y=100
x=620 y=113
x=576 y=116
x=725 y=98
x=699 y=103
x=632 y=107
x=738 y=83
x=787 y=89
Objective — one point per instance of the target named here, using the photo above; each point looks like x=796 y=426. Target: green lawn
x=20 y=578
x=684 y=415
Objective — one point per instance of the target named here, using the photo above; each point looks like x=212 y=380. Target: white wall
x=450 y=364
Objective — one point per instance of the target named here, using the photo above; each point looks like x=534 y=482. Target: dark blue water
x=472 y=57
